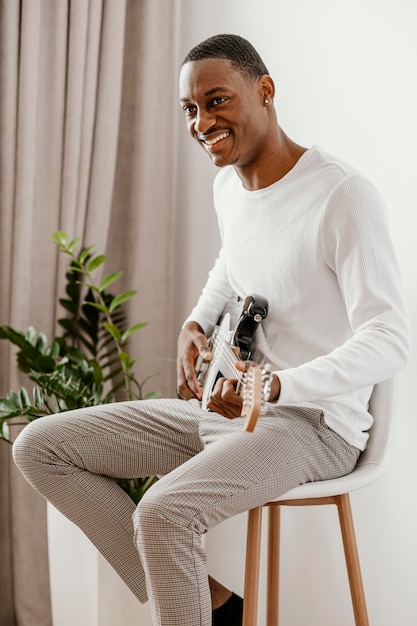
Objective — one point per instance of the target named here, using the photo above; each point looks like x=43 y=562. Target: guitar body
x=230 y=345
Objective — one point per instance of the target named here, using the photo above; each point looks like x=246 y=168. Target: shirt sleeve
x=357 y=247
x=214 y=297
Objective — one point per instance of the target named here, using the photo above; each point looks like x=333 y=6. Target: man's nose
x=204 y=120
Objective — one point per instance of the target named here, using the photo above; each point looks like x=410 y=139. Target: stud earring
x=266 y=101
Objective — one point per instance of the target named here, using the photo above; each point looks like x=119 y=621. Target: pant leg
x=235 y=472
x=68 y=458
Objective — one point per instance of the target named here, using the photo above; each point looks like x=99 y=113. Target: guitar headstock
x=255 y=389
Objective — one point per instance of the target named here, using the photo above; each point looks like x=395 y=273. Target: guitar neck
x=223 y=363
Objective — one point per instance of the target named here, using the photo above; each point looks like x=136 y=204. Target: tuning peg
x=266 y=385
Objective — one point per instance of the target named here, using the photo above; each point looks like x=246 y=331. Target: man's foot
x=230 y=613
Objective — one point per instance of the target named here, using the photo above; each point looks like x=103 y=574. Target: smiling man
x=308 y=233
x=230 y=113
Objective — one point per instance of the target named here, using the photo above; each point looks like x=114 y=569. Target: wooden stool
x=370 y=467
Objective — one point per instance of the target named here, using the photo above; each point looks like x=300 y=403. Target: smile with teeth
x=212 y=142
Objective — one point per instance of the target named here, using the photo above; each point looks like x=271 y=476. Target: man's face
x=224 y=111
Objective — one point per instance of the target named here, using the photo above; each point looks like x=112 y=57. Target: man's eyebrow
x=210 y=92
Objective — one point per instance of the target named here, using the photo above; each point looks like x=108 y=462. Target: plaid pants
x=211 y=470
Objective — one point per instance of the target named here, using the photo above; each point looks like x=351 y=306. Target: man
x=308 y=233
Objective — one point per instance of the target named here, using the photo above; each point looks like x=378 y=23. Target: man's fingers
x=188 y=386
x=192 y=343
x=205 y=352
x=224 y=399
x=244 y=366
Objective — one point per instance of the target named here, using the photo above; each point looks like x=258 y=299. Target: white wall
x=346 y=79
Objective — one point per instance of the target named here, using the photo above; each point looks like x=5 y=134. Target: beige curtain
x=87 y=120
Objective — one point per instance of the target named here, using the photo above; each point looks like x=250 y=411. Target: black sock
x=230 y=613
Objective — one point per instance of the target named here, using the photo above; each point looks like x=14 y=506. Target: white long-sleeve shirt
x=316 y=245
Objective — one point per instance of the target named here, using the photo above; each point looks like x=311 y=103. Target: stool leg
x=352 y=560
x=272 y=593
x=253 y=553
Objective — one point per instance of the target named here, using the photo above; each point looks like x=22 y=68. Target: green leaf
x=60 y=238
x=55 y=350
x=8 y=408
x=118 y=300
x=67 y=324
x=30 y=335
x=84 y=254
x=13 y=397
x=74 y=355
x=27 y=351
x=72 y=288
x=4 y=431
x=137 y=361
x=69 y=305
x=152 y=395
x=34 y=413
x=133 y=329
x=38 y=398
x=113 y=330
x=74 y=265
x=92 y=287
x=42 y=343
x=44 y=363
x=90 y=345
x=73 y=243
x=24 y=397
x=96 y=262
x=125 y=359
x=98 y=306
x=108 y=280
x=97 y=372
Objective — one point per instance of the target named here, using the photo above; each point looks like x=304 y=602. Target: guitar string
x=229 y=358
x=225 y=351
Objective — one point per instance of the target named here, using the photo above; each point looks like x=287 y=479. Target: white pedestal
x=85 y=590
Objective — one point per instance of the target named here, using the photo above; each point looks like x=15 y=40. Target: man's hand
x=225 y=399
x=192 y=343
x=275 y=388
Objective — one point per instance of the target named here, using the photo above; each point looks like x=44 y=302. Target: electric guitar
x=230 y=345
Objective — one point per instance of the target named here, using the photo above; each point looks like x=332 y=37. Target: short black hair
x=236 y=49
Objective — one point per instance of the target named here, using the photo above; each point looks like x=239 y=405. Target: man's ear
x=267 y=88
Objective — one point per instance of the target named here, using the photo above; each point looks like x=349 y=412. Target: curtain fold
x=87 y=146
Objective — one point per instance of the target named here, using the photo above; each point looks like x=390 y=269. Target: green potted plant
x=88 y=363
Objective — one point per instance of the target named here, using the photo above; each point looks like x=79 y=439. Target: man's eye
x=218 y=100
x=189 y=109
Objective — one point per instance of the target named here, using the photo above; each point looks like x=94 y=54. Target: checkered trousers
x=211 y=470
